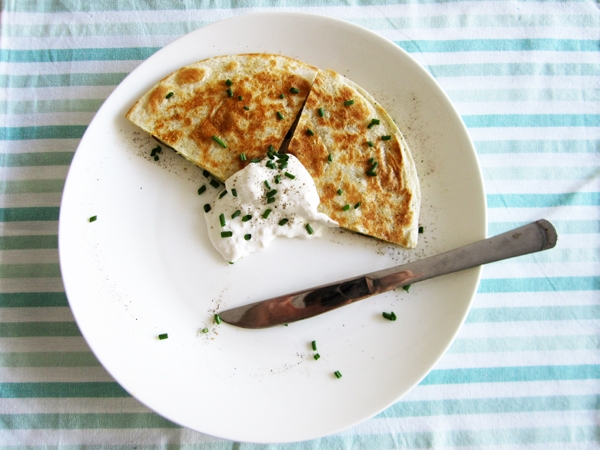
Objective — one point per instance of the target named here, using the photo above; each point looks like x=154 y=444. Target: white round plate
x=146 y=267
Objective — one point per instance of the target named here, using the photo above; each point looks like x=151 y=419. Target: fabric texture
x=524 y=370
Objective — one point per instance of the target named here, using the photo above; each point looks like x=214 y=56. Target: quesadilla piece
x=214 y=110
x=359 y=160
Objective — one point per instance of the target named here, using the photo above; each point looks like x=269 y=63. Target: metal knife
x=531 y=238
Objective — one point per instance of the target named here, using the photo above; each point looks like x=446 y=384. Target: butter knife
x=531 y=238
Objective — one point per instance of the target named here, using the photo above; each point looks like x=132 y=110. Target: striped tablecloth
x=525 y=76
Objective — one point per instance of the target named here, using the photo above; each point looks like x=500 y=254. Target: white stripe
x=89 y=42
x=517 y=82
x=540 y=186
x=576 y=160
x=29 y=256
x=34 y=173
x=534 y=133
x=55 y=93
x=543 y=270
x=43 y=119
x=528 y=299
x=31 y=285
x=60 y=67
x=532 y=214
x=39 y=146
x=44 y=344
x=30 y=200
x=53 y=374
x=517 y=359
x=527 y=107
x=539 y=328
x=506 y=57
x=71 y=406
x=37 y=314
x=28 y=228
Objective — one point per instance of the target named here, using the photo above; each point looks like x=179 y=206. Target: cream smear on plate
x=266 y=199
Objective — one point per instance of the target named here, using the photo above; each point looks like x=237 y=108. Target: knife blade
x=288 y=308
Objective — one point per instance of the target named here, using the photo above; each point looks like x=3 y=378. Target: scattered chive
x=235 y=214
x=330 y=157
x=294 y=90
x=406 y=288
x=169 y=95
x=270 y=200
x=314 y=345
x=155 y=157
x=321 y=112
x=271 y=165
x=234 y=192
x=205 y=330
x=240 y=98
x=228 y=82
x=255 y=160
x=337 y=374
x=226 y=234
x=279 y=115
x=272 y=192
x=242 y=156
x=277 y=179
x=222 y=220
x=386 y=138
x=202 y=189
x=206 y=173
x=316 y=356
x=222 y=194
x=206 y=208
x=281 y=95
x=374 y=166
x=229 y=93
x=153 y=152
x=282 y=222
x=246 y=108
x=389 y=316
x=214 y=183
x=163 y=336
x=346 y=207
x=309 y=229
x=219 y=141
x=289 y=175
x=309 y=132
x=339 y=192
x=93 y=218
x=283 y=164
x=371 y=160
x=357 y=205
x=349 y=102
x=246 y=218
x=370 y=143
x=375 y=121
x=371 y=173
x=217 y=319
x=247 y=237
x=266 y=213
x=421 y=229
x=272 y=149
x=267 y=184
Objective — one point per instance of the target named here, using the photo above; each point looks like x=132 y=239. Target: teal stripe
x=62 y=79
x=543 y=200
x=514 y=69
x=500 y=45
x=554 y=146
x=48 y=213
x=48 y=359
x=531 y=314
x=562 y=255
x=76 y=54
x=550 y=284
x=532 y=120
x=525 y=344
x=524 y=95
x=31 y=186
x=512 y=374
x=51 y=106
x=29 y=270
x=62 y=390
x=37 y=329
x=43 y=241
x=32 y=299
x=36 y=159
x=540 y=173
x=450 y=407
x=83 y=421
x=562 y=226
x=42 y=132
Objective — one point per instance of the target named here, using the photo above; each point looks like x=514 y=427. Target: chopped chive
x=421 y=229
x=374 y=166
x=246 y=218
x=156 y=158
x=389 y=316
x=228 y=82
x=214 y=183
x=294 y=90
x=163 y=336
x=281 y=95
x=339 y=192
x=219 y=141
x=309 y=229
x=169 y=95
x=349 y=102
x=205 y=330
x=270 y=154
x=240 y=98
x=371 y=173
x=229 y=93
x=371 y=160
x=272 y=192
x=277 y=179
x=386 y=137
x=271 y=165
x=289 y=175
x=246 y=108
x=266 y=213
x=235 y=214
x=375 y=121
x=330 y=157
x=270 y=200
x=357 y=205
x=234 y=192
x=316 y=356
x=337 y=374
x=279 y=115
x=272 y=149
x=222 y=220
x=206 y=173
x=247 y=237
x=223 y=194
x=93 y=218
x=255 y=160
x=202 y=189
x=283 y=156
x=226 y=234
x=310 y=132
x=242 y=156
x=282 y=222
x=370 y=143
x=267 y=184
x=283 y=164
x=406 y=288
x=217 y=319
x=153 y=152
x=206 y=208
x=321 y=112
x=314 y=345
x=346 y=207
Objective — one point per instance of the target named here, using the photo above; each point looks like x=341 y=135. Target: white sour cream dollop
x=296 y=200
